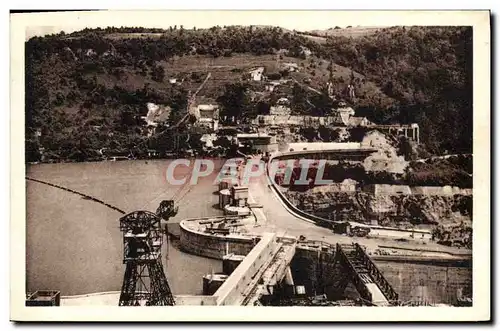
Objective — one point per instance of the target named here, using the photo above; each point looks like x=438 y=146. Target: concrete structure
x=111 y=298
x=208 y=116
x=259 y=142
x=348 y=155
x=230 y=262
x=212 y=245
x=262 y=268
x=212 y=282
x=440 y=190
x=348 y=185
x=224 y=198
x=239 y=195
x=233 y=289
x=281 y=108
x=290 y=66
x=44 y=299
x=386 y=189
x=295 y=120
x=322 y=146
x=236 y=210
x=411 y=131
x=388 y=232
x=226 y=183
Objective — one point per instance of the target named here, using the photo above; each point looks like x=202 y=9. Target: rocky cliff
x=389 y=210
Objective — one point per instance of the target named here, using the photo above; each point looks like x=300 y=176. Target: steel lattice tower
x=144 y=282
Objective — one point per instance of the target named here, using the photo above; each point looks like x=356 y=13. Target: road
x=278 y=218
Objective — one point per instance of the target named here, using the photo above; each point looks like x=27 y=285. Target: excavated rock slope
x=389 y=210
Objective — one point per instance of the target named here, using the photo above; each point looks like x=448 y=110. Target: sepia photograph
x=333 y=161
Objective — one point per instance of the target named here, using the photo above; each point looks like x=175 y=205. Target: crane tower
x=144 y=282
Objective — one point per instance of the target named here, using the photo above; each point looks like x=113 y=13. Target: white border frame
x=480 y=21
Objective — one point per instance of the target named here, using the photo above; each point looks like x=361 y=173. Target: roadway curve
x=278 y=218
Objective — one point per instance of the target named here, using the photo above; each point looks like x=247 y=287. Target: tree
x=235 y=101
x=178 y=105
x=158 y=73
x=299 y=99
x=263 y=108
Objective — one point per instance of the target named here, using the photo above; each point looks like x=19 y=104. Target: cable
x=78 y=193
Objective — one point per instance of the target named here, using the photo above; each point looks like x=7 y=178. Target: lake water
x=75 y=245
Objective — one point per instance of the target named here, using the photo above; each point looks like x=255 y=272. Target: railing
x=376 y=275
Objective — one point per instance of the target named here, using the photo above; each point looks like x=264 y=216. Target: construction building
x=257 y=142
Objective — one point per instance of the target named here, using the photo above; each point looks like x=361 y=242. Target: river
x=75 y=245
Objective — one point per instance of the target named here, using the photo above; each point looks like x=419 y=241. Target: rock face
x=388 y=210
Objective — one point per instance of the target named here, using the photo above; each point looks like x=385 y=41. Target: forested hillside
x=104 y=77
x=427 y=69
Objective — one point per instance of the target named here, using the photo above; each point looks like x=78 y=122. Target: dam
x=286 y=258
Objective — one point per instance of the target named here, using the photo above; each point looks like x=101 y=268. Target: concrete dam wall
x=418 y=281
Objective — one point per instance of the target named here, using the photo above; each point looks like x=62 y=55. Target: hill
x=352 y=32
x=427 y=69
x=85 y=91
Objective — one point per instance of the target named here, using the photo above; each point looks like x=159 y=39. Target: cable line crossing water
x=78 y=193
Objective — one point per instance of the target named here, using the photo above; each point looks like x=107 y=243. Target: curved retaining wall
x=213 y=246
x=323 y=221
